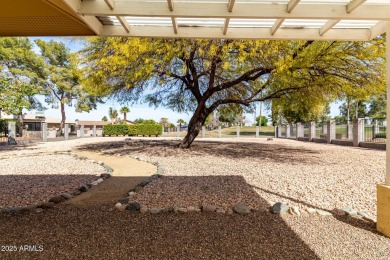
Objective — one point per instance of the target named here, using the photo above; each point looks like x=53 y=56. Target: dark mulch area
x=69 y=232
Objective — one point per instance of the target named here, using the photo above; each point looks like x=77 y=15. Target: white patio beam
x=387 y=177
x=329 y=25
x=170 y=5
x=276 y=26
x=241 y=10
x=110 y=4
x=174 y=25
x=226 y=26
x=236 y=33
x=379 y=29
x=354 y=4
x=291 y=5
x=124 y=23
x=231 y=5
x=92 y=22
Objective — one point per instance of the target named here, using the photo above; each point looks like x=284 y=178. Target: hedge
x=115 y=130
x=140 y=129
x=381 y=135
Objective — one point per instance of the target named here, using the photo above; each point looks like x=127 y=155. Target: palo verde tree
x=202 y=75
x=22 y=77
x=62 y=79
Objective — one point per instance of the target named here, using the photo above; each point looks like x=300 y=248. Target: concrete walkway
x=128 y=172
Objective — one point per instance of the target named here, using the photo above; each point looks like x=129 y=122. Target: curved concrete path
x=127 y=173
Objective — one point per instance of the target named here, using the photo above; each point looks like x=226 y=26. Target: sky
x=137 y=110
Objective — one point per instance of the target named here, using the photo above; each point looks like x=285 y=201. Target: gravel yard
x=259 y=173
x=223 y=172
x=32 y=179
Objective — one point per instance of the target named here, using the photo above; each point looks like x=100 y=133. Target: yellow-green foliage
x=133 y=130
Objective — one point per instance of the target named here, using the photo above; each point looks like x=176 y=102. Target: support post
x=203 y=131
x=238 y=131
x=312 y=130
x=349 y=131
x=331 y=131
x=288 y=131
x=82 y=131
x=219 y=131
x=11 y=133
x=44 y=132
x=358 y=131
x=162 y=130
x=375 y=129
x=94 y=131
x=383 y=190
x=325 y=129
x=299 y=127
x=257 y=131
x=177 y=131
x=66 y=132
x=279 y=128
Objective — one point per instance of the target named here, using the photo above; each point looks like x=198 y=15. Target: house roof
x=242 y=19
x=97 y=123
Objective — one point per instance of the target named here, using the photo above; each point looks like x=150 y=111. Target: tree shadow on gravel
x=97 y=231
x=233 y=150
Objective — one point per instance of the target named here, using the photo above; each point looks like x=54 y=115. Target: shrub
x=121 y=129
x=141 y=129
x=149 y=129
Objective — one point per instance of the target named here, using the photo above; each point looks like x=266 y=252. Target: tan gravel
x=298 y=173
x=34 y=179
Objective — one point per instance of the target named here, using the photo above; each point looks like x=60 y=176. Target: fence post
x=331 y=129
x=219 y=131
x=177 y=131
x=287 y=131
x=349 y=131
x=276 y=131
x=279 y=131
x=312 y=130
x=11 y=133
x=358 y=131
x=66 y=131
x=238 y=131
x=82 y=131
x=94 y=131
x=375 y=129
x=325 y=128
x=299 y=127
x=203 y=131
x=257 y=131
x=44 y=132
x=162 y=132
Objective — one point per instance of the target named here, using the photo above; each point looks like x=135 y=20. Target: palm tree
x=180 y=121
x=113 y=114
x=104 y=118
x=124 y=110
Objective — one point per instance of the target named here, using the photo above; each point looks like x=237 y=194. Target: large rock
x=155 y=210
x=57 y=199
x=124 y=200
x=240 y=208
x=134 y=206
x=311 y=210
x=323 y=212
x=350 y=211
x=83 y=188
x=294 y=210
x=209 y=208
x=279 y=208
x=144 y=182
x=66 y=195
x=338 y=212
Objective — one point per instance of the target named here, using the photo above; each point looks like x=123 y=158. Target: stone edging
x=65 y=196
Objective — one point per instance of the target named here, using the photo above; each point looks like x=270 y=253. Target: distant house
x=88 y=127
x=128 y=122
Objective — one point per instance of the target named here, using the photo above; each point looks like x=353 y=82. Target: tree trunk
x=63 y=118
x=124 y=117
x=195 y=125
x=20 y=119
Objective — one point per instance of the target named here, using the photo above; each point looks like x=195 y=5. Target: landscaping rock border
x=64 y=196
